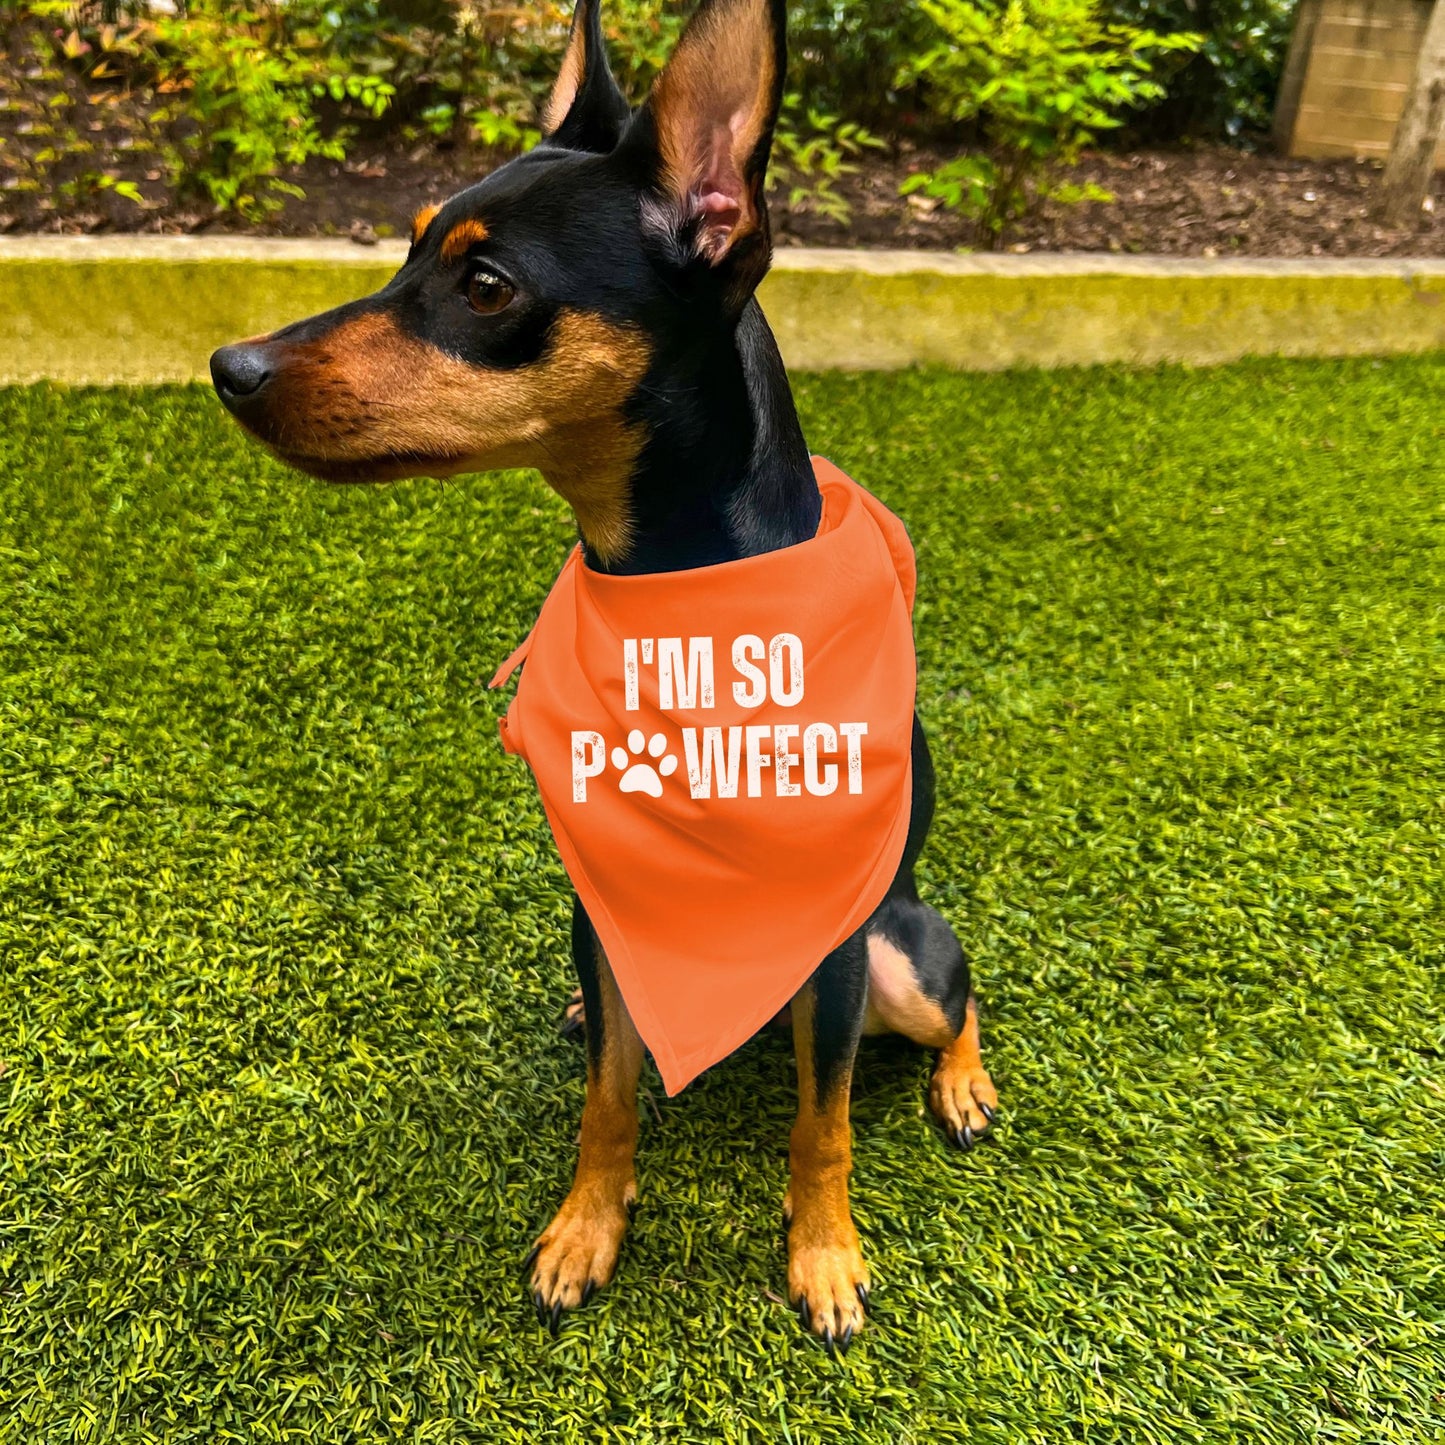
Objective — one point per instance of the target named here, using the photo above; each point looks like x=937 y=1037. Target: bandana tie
x=725 y=758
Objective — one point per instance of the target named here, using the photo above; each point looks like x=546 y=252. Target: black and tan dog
x=588 y=310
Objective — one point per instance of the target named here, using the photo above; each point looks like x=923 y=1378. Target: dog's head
x=532 y=305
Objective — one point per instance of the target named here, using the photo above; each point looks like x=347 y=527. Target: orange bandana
x=724 y=755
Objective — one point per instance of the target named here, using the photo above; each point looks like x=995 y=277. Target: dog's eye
x=488 y=294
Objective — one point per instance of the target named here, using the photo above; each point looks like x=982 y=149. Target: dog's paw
x=577 y=1253
x=963 y=1100
x=828 y=1286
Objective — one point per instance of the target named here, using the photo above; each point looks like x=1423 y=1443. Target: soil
x=1198 y=201
x=1203 y=200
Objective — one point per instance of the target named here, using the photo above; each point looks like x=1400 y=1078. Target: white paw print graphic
x=642 y=777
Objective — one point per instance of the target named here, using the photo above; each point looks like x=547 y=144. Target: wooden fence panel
x=1350 y=64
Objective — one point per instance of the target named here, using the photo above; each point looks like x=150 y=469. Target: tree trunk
x=1412 y=152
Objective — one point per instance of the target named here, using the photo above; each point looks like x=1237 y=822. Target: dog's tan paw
x=577 y=1253
x=963 y=1100
x=828 y=1285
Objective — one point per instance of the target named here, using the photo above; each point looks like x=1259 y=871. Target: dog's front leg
x=577 y=1252
x=827 y=1279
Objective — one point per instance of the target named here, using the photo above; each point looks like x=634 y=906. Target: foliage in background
x=640 y=36
x=229 y=94
x=811 y=150
x=46 y=149
x=460 y=72
x=1227 y=87
x=844 y=55
x=245 y=90
x=243 y=87
x=1036 y=81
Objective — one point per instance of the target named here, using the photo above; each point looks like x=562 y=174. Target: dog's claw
x=845 y=1340
x=555 y=1318
x=989 y=1114
x=587 y=1290
x=804 y=1313
x=968 y=1136
x=861 y=1290
x=531 y=1258
x=828 y=1341
x=540 y=1305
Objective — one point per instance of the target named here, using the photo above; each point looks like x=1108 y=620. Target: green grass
x=283 y=943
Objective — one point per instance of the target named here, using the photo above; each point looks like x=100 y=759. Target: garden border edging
x=129 y=309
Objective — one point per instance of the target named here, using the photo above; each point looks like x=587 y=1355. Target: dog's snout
x=239 y=372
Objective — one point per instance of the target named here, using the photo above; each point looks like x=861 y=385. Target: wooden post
x=1412 y=151
x=1296 y=66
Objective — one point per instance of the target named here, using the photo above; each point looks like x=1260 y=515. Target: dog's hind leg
x=827 y=1279
x=577 y=1252
x=919 y=986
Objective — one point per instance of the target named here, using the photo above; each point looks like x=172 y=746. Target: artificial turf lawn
x=283 y=943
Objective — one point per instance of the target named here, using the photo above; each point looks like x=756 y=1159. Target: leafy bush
x=1035 y=81
x=241 y=90
x=46 y=68
x=811 y=150
x=1228 y=87
x=845 y=55
x=640 y=37
x=225 y=94
x=245 y=91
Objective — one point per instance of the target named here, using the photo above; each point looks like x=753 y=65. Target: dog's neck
x=725 y=472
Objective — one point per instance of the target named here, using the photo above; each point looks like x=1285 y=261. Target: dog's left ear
x=707 y=130
x=586 y=110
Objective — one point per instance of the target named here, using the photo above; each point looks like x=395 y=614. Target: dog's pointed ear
x=586 y=110
x=709 y=126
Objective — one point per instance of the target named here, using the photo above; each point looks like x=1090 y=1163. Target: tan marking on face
x=895 y=1002
x=369 y=402
x=462 y=236
x=716 y=91
x=421 y=221
x=569 y=78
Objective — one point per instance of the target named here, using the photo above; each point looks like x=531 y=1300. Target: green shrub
x=640 y=37
x=245 y=98
x=1228 y=87
x=845 y=55
x=47 y=69
x=811 y=150
x=1035 y=81
x=248 y=88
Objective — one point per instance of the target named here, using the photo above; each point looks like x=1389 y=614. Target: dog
x=588 y=310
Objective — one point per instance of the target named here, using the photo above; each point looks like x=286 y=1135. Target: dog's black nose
x=239 y=372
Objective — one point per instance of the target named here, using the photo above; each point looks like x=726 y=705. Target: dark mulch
x=1199 y=201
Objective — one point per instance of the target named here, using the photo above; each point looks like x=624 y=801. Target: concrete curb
x=150 y=309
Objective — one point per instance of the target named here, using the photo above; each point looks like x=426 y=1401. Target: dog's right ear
x=703 y=137
x=586 y=111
